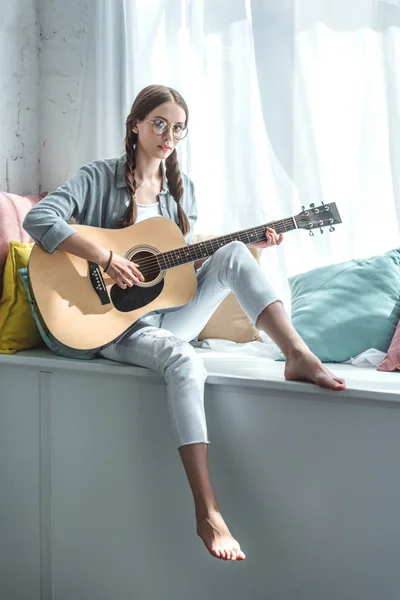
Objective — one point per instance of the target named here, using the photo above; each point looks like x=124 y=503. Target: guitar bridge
x=98 y=284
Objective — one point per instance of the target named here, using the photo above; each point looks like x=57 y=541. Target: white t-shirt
x=145 y=211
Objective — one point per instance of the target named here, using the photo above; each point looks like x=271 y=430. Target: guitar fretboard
x=180 y=256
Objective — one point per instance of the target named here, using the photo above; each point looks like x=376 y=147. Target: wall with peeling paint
x=43 y=47
x=63 y=32
x=19 y=96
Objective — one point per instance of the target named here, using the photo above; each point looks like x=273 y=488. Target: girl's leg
x=301 y=363
x=232 y=267
x=184 y=373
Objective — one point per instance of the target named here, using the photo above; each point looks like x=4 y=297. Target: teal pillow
x=57 y=348
x=342 y=310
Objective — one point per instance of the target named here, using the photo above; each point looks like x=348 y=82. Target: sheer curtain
x=289 y=105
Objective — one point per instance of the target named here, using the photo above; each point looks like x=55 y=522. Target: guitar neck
x=181 y=256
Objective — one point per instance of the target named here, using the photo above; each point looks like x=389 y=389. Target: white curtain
x=290 y=103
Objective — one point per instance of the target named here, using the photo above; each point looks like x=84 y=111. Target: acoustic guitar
x=84 y=309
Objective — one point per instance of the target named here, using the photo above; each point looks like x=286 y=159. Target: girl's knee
x=185 y=362
x=233 y=248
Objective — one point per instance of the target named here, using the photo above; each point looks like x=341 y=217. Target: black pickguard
x=134 y=297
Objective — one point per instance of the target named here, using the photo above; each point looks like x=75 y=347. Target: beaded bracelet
x=109 y=262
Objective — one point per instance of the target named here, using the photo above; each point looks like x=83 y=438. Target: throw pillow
x=229 y=321
x=344 y=309
x=13 y=209
x=391 y=362
x=18 y=329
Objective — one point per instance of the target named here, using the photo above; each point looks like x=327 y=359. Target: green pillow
x=342 y=310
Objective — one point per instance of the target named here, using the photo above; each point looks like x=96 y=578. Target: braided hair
x=146 y=101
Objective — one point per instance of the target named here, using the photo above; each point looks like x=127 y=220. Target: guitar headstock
x=318 y=217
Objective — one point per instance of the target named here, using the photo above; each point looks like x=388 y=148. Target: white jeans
x=161 y=341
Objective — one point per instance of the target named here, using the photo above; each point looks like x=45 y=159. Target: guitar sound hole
x=148 y=265
x=139 y=295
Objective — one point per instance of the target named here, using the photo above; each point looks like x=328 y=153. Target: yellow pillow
x=229 y=321
x=18 y=330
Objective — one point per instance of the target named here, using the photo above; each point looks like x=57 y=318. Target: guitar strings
x=147 y=265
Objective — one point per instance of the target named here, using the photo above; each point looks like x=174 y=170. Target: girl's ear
x=134 y=127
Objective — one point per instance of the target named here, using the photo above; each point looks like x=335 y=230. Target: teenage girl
x=146 y=181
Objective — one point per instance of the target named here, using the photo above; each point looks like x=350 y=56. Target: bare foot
x=304 y=365
x=217 y=538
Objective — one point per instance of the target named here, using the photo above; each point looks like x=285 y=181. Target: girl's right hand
x=124 y=272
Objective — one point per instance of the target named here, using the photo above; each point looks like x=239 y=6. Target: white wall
x=19 y=90
x=42 y=55
x=64 y=38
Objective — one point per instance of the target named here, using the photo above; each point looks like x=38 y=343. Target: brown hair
x=146 y=101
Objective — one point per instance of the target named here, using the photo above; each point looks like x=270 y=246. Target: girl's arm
x=77 y=244
x=121 y=270
x=46 y=222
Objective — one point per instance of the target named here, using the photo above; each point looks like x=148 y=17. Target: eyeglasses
x=159 y=127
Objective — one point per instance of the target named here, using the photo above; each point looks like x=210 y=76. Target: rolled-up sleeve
x=46 y=221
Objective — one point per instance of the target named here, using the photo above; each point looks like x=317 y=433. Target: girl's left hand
x=273 y=239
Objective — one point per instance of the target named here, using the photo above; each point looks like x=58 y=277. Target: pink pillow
x=13 y=209
x=391 y=362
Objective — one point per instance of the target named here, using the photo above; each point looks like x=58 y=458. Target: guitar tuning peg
x=303 y=208
x=311 y=233
x=312 y=205
x=321 y=230
x=331 y=228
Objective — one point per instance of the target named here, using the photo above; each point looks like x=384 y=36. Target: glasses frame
x=168 y=127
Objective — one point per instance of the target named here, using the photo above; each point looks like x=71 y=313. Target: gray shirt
x=97 y=196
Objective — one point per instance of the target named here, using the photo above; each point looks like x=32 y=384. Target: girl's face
x=160 y=146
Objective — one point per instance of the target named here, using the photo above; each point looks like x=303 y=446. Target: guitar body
x=67 y=299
